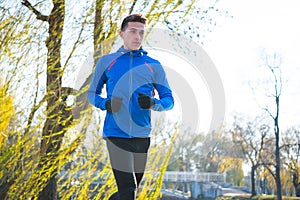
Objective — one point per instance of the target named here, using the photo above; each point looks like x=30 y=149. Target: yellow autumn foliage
x=7 y=112
x=230 y=162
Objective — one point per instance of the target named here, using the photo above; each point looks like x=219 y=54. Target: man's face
x=133 y=35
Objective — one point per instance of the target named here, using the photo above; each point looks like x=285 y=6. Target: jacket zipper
x=130 y=92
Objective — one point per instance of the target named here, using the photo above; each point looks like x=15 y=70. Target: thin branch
x=33 y=110
x=68 y=91
x=266 y=165
x=268 y=111
x=287 y=146
x=280 y=82
x=35 y=11
x=74 y=47
x=132 y=7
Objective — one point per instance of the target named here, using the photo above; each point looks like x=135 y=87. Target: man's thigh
x=120 y=157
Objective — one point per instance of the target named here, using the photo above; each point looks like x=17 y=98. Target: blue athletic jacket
x=126 y=74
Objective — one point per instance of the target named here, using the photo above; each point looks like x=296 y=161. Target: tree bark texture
x=277 y=151
x=57 y=113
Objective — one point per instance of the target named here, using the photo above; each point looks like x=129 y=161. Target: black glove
x=114 y=104
x=145 y=101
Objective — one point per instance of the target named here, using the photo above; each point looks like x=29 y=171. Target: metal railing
x=177 y=176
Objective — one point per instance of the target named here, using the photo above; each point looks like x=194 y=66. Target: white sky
x=234 y=47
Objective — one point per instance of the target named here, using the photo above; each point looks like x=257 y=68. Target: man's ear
x=121 y=34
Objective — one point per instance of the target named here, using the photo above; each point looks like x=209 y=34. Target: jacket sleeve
x=166 y=100
x=95 y=89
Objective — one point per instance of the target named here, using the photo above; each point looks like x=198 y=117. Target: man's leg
x=114 y=196
x=140 y=161
x=122 y=163
x=126 y=185
x=140 y=158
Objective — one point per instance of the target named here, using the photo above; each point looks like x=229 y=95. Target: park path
x=233 y=192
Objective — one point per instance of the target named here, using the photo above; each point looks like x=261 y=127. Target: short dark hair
x=133 y=18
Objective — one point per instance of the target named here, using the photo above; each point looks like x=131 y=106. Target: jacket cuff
x=157 y=105
x=102 y=105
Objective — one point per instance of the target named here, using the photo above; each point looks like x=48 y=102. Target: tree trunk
x=54 y=127
x=98 y=30
x=4 y=188
x=278 y=180
x=277 y=152
x=253 y=190
x=50 y=191
x=296 y=183
x=297 y=189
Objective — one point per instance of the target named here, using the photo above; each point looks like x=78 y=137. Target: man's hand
x=114 y=105
x=145 y=101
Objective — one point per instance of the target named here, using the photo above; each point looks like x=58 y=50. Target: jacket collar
x=139 y=52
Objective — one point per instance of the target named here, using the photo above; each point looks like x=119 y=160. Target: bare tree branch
x=74 y=46
x=33 y=111
x=35 y=11
x=132 y=7
x=269 y=112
